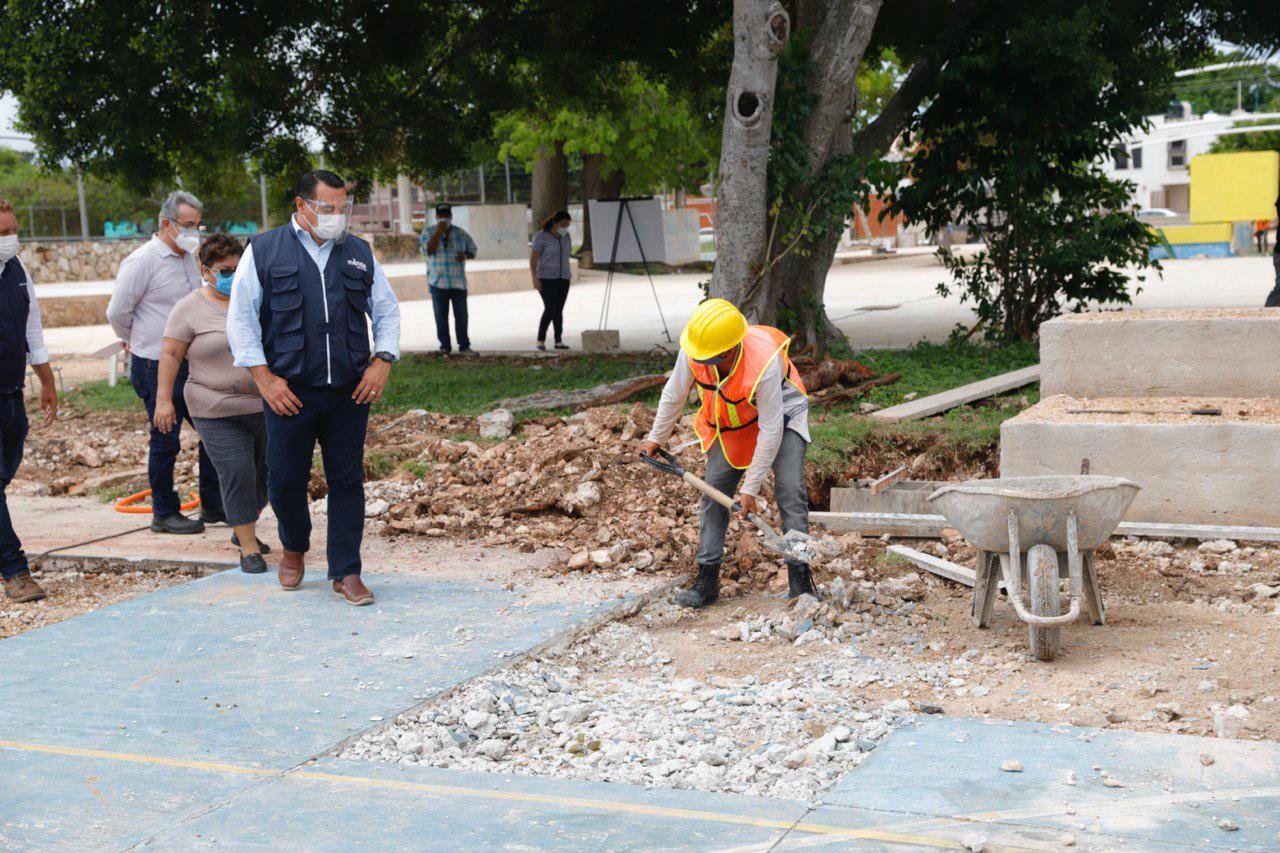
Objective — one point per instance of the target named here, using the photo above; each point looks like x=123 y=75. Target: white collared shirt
x=149 y=283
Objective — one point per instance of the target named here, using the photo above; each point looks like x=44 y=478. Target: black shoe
x=800 y=581
x=705 y=589
x=176 y=523
x=446 y=350
x=253 y=564
x=542 y=345
x=561 y=346
x=466 y=351
x=213 y=515
x=262 y=546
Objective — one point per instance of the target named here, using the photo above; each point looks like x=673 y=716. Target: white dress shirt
x=36 y=352
x=149 y=283
x=244 y=324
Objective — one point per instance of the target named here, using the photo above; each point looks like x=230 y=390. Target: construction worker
x=754 y=416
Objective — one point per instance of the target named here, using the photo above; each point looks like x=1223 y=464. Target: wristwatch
x=387 y=357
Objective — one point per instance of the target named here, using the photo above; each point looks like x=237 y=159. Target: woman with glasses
x=223 y=400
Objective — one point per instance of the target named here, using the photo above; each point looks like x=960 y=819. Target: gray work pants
x=788 y=491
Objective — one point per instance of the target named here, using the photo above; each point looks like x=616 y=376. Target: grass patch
x=98 y=396
x=931 y=368
x=469 y=386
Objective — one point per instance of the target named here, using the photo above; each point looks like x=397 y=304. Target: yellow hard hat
x=716 y=327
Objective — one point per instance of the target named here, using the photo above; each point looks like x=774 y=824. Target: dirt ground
x=73 y=593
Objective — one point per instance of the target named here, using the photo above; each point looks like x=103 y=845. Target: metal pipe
x=262 y=197
x=84 y=208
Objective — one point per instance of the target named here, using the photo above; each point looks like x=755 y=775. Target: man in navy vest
x=21 y=341
x=298 y=319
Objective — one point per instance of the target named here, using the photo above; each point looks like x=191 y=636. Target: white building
x=1158 y=160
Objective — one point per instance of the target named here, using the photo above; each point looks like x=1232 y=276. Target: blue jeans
x=788 y=491
x=164 y=447
x=13 y=434
x=328 y=416
x=441 y=299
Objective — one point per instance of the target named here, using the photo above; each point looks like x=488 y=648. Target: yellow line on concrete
x=480 y=793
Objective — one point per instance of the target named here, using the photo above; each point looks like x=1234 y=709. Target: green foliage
x=1263 y=140
x=1256 y=86
x=998 y=155
x=645 y=130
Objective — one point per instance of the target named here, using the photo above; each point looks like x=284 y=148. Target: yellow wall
x=1217 y=232
x=1235 y=187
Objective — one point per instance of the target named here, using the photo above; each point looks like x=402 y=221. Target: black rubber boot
x=800 y=581
x=705 y=589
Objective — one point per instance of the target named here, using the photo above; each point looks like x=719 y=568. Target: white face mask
x=445 y=221
x=329 y=226
x=563 y=231
x=187 y=239
x=8 y=248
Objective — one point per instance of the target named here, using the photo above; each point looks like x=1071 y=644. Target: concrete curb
x=102 y=564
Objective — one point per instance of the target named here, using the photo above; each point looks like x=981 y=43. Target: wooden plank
x=940 y=567
x=882 y=523
x=909 y=525
x=1155 y=530
x=878 y=486
x=935 y=403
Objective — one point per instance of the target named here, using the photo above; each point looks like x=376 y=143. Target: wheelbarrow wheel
x=1046 y=600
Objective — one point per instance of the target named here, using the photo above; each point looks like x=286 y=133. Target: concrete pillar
x=405 y=204
x=84 y=208
x=262 y=198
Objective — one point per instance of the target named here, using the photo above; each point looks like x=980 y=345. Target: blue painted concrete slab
x=488 y=811
x=232 y=669
x=951 y=767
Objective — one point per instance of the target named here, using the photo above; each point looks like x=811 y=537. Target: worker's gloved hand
x=747 y=505
x=648 y=448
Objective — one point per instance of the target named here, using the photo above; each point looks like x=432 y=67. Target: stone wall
x=94 y=260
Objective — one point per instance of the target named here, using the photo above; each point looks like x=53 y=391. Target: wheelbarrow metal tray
x=979 y=509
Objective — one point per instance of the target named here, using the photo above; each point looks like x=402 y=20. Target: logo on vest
x=360 y=265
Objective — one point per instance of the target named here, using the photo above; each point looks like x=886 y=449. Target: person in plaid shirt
x=448 y=248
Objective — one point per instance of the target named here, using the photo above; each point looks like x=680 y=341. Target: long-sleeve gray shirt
x=149 y=283
x=780 y=406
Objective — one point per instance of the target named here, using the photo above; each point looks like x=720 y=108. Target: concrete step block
x=1209 y=352
x=1192 y=469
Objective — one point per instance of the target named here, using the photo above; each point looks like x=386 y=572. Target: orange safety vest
x=727 y=414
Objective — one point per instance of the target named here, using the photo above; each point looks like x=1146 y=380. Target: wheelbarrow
x=1032 y=528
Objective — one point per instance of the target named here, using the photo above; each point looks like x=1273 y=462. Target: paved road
x=891 y=303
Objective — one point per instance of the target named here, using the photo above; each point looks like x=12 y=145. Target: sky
x=9 y=112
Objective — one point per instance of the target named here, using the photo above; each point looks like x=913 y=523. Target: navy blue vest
x=300 y=345
x=15 y=304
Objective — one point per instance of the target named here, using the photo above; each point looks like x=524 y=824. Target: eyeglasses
x=325 y=209
x=222 y=270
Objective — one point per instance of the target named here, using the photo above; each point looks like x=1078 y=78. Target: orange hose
x=128 y=504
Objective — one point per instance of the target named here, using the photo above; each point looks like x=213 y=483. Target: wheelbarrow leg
x=986 y=584
x=1093 y=592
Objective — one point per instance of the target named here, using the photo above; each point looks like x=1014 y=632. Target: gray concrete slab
x=949 y=399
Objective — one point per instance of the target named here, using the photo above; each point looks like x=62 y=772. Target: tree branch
x=879 y=135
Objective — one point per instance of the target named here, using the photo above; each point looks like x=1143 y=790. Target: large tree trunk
x=760 y=32
x=550 y=184
x=595 y=185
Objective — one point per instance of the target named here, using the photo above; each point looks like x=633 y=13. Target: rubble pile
x=573 y=484
x=784 y=738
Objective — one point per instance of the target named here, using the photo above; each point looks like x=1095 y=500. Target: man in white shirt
x=150 y=282
x=754 y=416
x=21 y=343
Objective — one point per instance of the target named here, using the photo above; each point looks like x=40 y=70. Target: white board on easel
x=643 y=242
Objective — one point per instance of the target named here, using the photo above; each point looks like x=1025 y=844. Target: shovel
x=795 y=545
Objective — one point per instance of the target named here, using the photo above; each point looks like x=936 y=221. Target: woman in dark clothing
x=549 y=263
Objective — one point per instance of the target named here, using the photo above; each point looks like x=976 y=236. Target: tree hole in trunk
x=748 y=107
x=780 y=26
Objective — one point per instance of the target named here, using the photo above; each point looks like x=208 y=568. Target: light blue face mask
x=222 y=282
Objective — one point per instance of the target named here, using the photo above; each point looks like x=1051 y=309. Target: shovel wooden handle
x=709 y=490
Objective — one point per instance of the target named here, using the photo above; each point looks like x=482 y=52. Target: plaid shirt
x=444 y=270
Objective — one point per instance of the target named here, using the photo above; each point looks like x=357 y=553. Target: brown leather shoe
x=291 y=569
x=23 y=588
x=352 y=590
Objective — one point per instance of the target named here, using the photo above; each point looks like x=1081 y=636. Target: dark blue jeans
x=164 y=447
x=13 y=434
x=441 y=299
x=328 y=416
